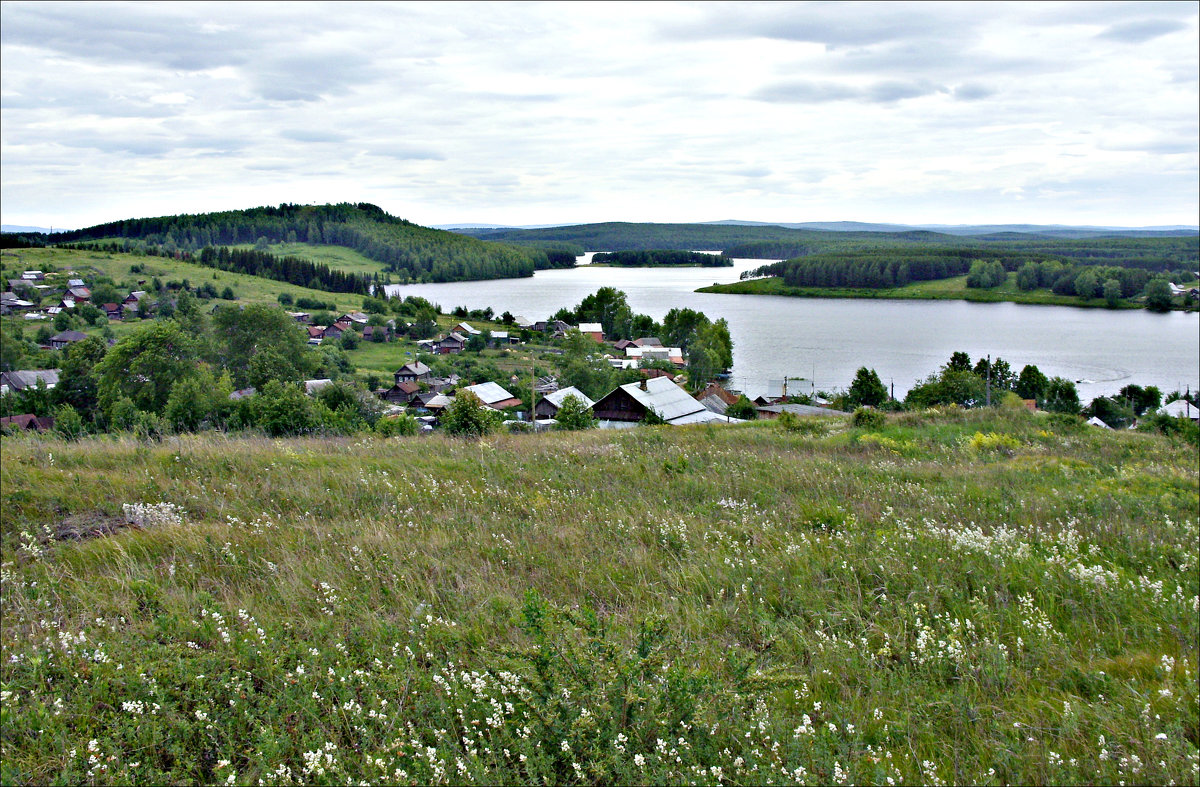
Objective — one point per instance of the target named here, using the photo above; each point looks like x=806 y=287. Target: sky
x=551 y=113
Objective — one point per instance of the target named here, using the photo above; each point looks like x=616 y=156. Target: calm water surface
x=826 y=340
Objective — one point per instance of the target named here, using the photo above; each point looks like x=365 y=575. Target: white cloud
x=525 y=114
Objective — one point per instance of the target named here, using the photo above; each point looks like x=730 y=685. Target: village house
x=352 y=317
x=33 y=276
x=76 y=283
x=9 y=303
x=774 y=410
x=78 y=294
x=400 y=393
x=385 y=333
x=448 y=345
x=26 y=422
x=19 y=380
x=411 y=372
x=315 y=333
x=592 y=330
x=465 y=330
x=335 y=331
x=61 y=340
x=548 y=406
x=716 y=398
x=301 y=317
x=630 y=404
x=1180 y=408
x=113 y=311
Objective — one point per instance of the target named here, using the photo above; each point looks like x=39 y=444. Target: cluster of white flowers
x=152 y=514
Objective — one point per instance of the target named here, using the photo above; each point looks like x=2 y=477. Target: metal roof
x=558 y=396
x=489 y=393
x=665 y=398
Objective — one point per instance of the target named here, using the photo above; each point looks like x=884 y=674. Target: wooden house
x=411 y=372
x=547 y=406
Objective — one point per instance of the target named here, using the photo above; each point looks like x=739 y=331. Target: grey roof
x=665 y=398
x=556 y=398
x=414 y=368
x=1180 y=408
x=312 y=386
x=489 y=393
x=591 y=327
x=467 y=329
x=714 y=403
x=799 y=409
x=27 y=378
x=703 y=416
x=69 y=336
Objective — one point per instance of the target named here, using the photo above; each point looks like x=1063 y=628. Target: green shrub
x=403 y=425
x=868 y=418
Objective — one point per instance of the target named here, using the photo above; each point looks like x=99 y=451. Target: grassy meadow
x=959 y=597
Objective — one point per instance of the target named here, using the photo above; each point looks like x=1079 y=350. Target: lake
x=825 y=341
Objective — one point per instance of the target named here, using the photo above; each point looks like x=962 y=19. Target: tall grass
x=957 y=597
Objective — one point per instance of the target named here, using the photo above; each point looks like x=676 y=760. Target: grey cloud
x=312 y=135
x=891 y=91
x=124 y=34
x=807 y=92
x=406 y=153
x=1156 y=146
x=1142 y=30
x=972 y=91
x=834 y=25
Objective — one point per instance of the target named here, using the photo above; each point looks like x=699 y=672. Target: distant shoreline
x=938 y=290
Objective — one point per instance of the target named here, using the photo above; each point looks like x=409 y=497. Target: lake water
x=825 y=341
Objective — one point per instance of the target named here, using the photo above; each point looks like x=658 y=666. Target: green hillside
x=976 y=597
x=773 y=242
x=413 y=252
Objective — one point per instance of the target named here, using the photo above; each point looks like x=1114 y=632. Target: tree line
x=654 y=257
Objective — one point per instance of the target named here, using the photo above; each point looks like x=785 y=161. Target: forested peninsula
x=653 y=258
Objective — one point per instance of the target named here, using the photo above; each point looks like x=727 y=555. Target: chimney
x=643 y=384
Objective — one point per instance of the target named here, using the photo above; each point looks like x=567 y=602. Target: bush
x=743 y=408
x=402 y=425
x=868 y=418
x=1184 y=428
x=574 y=415
x=790 y=422
x=68 y=422
x=467 y=417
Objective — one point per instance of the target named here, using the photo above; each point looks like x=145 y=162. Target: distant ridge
x=23 y=228
x=1045 y=230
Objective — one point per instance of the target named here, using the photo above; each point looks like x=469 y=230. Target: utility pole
x=989 y=380
x=532 y=395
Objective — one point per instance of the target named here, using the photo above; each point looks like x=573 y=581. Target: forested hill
x=414 y=252
x=771 y=242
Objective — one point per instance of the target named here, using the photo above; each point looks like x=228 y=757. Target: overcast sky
x=1076 y=113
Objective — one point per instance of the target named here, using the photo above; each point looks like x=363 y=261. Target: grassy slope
x=921 y=604
x=336 y=257
x=369 y=357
